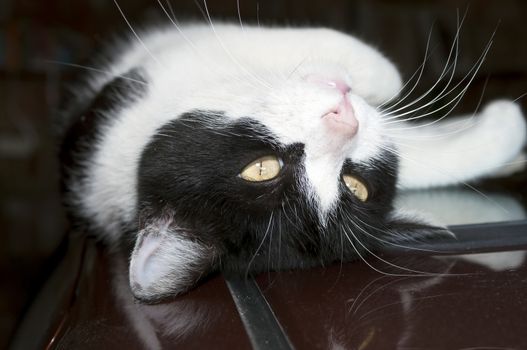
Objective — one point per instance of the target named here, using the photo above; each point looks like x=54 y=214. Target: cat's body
x=156 y=150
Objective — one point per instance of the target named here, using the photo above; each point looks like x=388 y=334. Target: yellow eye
x=262 y=169
x=356 y=187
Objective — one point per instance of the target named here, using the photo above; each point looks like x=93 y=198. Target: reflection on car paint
x=105 y=314
x=458 y=205
x=496 y=261
x=178 y=319
x=466 y=301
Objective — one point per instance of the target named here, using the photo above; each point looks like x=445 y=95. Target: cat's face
x=311 y=125
x=318 y=103
x=292 y=171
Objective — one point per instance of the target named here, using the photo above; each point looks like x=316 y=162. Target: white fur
x=260 y=73
x=473 y=147
x=163 y=260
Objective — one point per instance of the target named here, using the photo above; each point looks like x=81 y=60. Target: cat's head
x=311 y=113
x=262 y=157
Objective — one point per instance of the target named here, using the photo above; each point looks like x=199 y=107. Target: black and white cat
x=248 y=149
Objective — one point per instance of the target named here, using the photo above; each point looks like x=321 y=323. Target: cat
x=220 y=148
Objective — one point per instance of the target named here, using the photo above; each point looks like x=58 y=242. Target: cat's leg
x=462 y=148
x=167 y=262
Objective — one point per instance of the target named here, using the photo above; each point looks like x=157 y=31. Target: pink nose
x=342 y=120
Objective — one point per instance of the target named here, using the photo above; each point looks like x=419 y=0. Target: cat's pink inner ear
x=147 y=264
x=165 y=263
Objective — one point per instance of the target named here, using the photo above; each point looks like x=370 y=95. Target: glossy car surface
x=470 y=293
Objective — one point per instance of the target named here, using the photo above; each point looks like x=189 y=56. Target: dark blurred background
x=36 y=35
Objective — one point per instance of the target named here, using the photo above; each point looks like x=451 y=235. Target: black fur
x=191 y=168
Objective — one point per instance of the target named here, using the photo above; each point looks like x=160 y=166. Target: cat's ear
x=165 y=262
x=412 y=229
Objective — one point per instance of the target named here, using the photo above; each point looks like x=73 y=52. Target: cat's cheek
x=165 y=263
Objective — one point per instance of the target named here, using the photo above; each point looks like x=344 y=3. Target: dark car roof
x=470 y=294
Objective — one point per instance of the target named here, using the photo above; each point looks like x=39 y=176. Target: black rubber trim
x=490 y=236
x=262 y=327
x=476 y=238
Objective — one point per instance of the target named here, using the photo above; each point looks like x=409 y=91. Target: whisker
x=287 y=216
x=470 y=120
x=229 y=54
x=455 y=45
x=364 y=260
x=473 y=71
x=297 y=66
x=414 y=272
x=200 y=8
x=260 y=246
x=93 y=69
x=520 y=97
x=419 y=70
x=239 y=14
x=173 y=19
x=464 y=124
x=279 y=239
x=258 y=13
x=269 y=249
x=390 y=242
x=169 y=4
x=135 y=34
x=397 y=280
x=206 y=58
x=363 y=291
x=456 y=100
x=437 y=98
x=341 y=257
x=399 y=302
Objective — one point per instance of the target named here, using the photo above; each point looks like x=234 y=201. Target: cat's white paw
x=505 y=118
x=503 y=126
x=464 y=149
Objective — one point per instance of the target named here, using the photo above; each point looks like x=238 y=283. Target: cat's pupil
x=262 y=169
